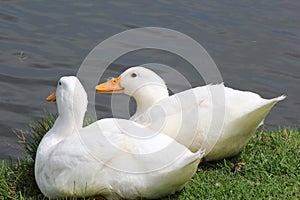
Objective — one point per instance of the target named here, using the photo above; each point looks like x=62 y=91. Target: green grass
x=267 y=168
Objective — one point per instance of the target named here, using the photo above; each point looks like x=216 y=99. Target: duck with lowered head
x=113 y=158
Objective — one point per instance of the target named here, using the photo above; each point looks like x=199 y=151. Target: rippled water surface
x=256 y=45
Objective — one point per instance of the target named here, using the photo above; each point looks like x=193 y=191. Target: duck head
x=145 y=86
x=71 y=100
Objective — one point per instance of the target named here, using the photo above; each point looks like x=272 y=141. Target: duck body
x=192 y=121
x=219 y=119
x=108 y=157
x=86 y=164
x=244 y=112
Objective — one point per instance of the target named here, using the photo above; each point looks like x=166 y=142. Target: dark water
x=256 y=45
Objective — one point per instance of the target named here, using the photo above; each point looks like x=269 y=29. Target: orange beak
x=51 y=97
x=110 y=87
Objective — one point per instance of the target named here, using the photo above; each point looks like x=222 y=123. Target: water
x=256 y=45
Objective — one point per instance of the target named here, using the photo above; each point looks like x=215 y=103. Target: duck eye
x=133 y=75
x=59 y=83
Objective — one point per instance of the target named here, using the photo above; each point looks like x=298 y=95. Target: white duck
x=191 y=117
x=108 y=157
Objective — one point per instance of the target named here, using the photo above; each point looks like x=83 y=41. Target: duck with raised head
x=191 y=116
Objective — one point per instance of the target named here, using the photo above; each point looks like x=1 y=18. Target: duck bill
x=51 y=97
x=110 y=87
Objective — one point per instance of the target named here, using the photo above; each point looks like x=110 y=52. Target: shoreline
x=267 y=167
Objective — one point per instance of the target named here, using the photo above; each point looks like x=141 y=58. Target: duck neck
x=66 y=124
x=146 y=96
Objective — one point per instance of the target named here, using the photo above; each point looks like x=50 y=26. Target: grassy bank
x=267 y=168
